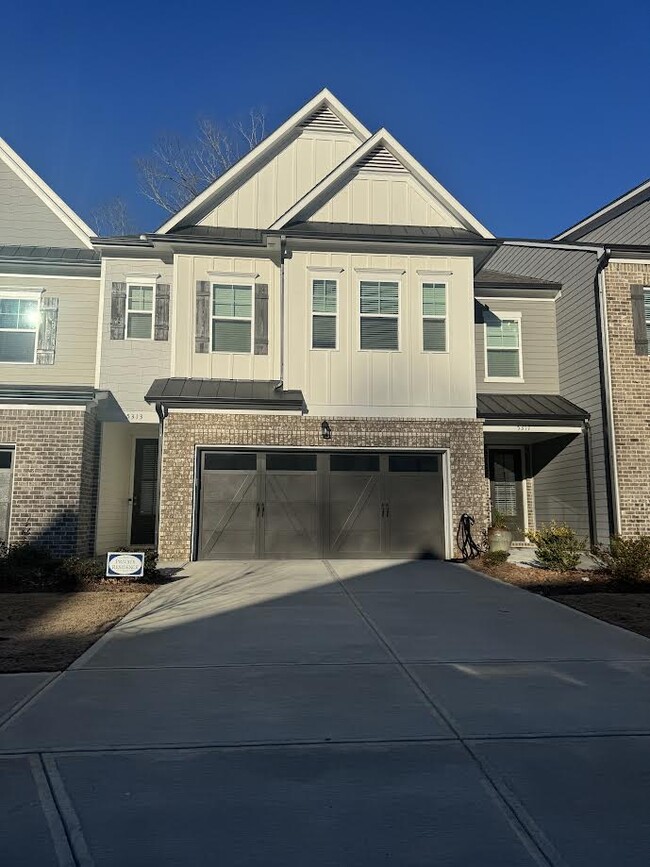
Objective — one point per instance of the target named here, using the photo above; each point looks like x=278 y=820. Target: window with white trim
x=646 y=310
x=434 y=317
x=379 y=304
x=503 y=346
x=324 y=314
x=140 y=311
x=19 y=321
x=232 y=317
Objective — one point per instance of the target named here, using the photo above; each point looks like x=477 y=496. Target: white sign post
x=125 y=564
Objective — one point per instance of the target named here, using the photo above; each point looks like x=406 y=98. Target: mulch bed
x=592 y=592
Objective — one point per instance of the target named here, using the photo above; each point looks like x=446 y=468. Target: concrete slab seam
x=26 y=698
x=62 y=847
x=68 y=814
x=521 y=829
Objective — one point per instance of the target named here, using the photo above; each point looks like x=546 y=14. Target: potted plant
x=499 y=534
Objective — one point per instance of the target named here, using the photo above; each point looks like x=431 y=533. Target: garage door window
x=230 y=461
x=290 y=461
x=354 y=463
x=413 y=463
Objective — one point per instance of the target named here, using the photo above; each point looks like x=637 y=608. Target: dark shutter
x=261 y=319
x=118 y=311
x=202 y=330
x=638 y=320
x=47 y=331
x=161 y=321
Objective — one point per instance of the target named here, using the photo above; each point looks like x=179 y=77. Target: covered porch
x=537 y=461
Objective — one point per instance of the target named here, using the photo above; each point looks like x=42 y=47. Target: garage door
x=310 y=504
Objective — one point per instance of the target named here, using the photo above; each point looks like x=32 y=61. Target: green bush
x=495 y=558
x=558 y=546
x=81 y=569
x=28 y=567
x=627 y=559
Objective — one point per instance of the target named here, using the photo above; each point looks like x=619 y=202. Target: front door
x=145 y=483
x=506 y=488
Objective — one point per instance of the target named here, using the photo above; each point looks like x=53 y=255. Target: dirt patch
x=48 y=631
x=594 y=593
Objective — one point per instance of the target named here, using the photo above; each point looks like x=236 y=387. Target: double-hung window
x=232 y=317
x=324 y=310
x=379 y=302
x=434 y=317
x=503 y=346
x=140 y=311
x=646 y=311
x=19 y=321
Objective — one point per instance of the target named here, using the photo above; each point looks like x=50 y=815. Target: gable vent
x=324 y=120
x=380 y=160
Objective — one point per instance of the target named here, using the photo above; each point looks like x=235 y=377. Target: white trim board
x=530 y=428
x=229 y=179
x=46 y=194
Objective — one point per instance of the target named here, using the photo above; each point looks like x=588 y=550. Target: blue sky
x=532 y=115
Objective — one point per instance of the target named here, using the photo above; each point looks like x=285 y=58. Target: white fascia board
x=46 y=194
x=382 y=137
x=524 y=428
x=254 y=156
x=601 y=213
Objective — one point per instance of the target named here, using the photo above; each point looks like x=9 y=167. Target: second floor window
x=139 y=312
x=19 y=320
x=434 y=317
x=232 y=317
x=379 y=302
x=503 y=347
x=324 y=307
x=646 y=311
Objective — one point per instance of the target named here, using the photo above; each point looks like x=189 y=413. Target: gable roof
x=381 y=152
x=616 y=208
x=45 y=194
x=323 y=112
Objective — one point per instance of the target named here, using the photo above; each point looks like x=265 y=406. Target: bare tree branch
x=112 y=218
x=177 y=170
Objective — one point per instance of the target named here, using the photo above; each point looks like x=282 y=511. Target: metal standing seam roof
x=224 y=394
x=389 y=232
x=56 y=255
x=534 y=407
x=486 y=279
x=63 y=394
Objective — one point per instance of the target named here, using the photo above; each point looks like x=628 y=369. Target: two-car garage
x=312 y=504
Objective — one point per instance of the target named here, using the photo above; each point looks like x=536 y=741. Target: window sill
x=503 y=379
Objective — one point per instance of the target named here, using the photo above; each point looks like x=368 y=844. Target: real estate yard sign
x=125 y=564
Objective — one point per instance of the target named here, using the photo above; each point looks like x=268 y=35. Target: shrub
x=81 y=570
x=26 y=567
x=495 y=558
x=627 y=559
x=499 y=520
x=558 y=546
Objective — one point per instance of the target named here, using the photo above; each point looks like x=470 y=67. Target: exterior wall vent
x=381 y=160
x=324 y=120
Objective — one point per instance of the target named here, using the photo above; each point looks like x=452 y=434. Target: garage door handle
x=387 y=509
x=258 y=510
x=262 y=504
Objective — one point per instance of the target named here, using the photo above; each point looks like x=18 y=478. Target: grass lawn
x=594 y=593
x=48 y=631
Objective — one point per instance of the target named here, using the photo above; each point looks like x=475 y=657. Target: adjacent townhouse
x=315 y=357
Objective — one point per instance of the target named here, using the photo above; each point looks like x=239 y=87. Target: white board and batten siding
x=128 y=367
x=348 y=381
x=285 y=178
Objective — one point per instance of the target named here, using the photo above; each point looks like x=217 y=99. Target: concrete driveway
x=334 y=713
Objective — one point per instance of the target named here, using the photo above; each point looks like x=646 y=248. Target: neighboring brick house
x=311 y=358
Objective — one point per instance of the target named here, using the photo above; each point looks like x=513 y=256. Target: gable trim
x=616 y=208
x=336 y=179
x=230 y=177
x=46 y=194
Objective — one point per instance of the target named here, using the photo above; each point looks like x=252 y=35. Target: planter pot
x=499 y=540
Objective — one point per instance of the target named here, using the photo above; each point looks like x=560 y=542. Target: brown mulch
x=594 y=593
x=48 y=631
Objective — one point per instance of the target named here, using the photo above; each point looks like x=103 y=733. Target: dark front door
x=506 y=488
x=318 y=504
x=145 y=483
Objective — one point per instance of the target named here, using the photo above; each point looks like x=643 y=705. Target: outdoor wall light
x=326 y=431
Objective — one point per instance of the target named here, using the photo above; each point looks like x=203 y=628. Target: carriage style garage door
x=312 y=504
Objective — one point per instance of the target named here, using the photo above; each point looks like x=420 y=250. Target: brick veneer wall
x=183 y=431
x=630 y=375
x=54 y=477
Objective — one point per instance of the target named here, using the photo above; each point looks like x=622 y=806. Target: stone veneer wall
x=54 y=477
x=183 y=431
x=630 y=375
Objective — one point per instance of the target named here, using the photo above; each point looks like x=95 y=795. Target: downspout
x=162 y=413
x=611 y=469
x=283 y=247
x=591 y=502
